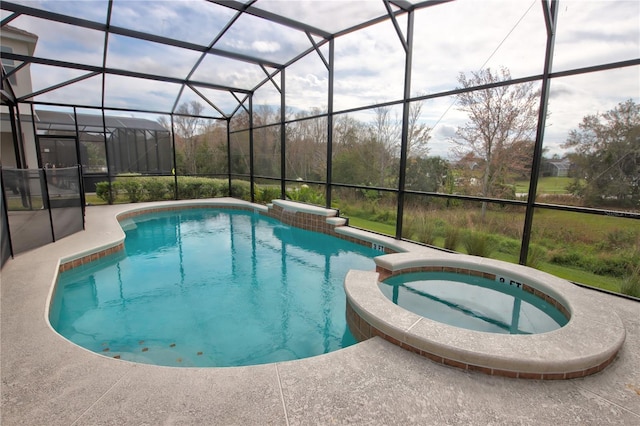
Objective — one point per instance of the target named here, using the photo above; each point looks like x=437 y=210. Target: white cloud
x=321 y=14
x=265 y=46
x=449 y=38
x=369 y=67
x=64 y=42
x=193 y=21
x=445 y=131
x=153 y=58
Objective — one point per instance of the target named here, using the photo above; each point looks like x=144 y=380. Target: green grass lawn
x=546 y=185
x=370 y=225
x=571 y=274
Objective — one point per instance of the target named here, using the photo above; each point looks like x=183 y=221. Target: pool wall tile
x=386 y=273
x=74 y=263
x=323 y=222
x=456 y=364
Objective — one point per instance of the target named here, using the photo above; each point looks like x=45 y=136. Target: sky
x=449 y=39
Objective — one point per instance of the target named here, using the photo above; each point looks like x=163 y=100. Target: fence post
x=45 y=196
x=5 y=218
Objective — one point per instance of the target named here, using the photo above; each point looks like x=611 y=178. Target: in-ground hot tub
x=493 y=304
x=586 y=344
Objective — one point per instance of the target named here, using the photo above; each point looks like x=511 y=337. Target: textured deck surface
x=48 y=381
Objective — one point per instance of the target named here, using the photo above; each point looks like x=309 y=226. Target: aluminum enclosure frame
x=318 y=38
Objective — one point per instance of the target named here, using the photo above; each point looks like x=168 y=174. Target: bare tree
x=385 y=134
x=187 y=128
x=307 y=146
x=500 y=118
x=418 y=134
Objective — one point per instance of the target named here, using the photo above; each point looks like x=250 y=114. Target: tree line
x=490 y=152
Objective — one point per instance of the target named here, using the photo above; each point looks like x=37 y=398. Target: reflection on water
x=472 y=302
x=222 y=287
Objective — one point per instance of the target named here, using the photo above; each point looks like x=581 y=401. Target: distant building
x=109 y=145
x=556 y=168
x=133 y=145
x=12 y=153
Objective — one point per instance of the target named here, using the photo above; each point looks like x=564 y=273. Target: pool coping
x=587 y=344
x=48 y=380
x=117 y=244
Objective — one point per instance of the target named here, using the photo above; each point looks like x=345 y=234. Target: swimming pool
x=211 y=287
x=473 y=302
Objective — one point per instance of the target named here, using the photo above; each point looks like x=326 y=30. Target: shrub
x=241 y=189
x=133 y=188
x=410 y=228
x=384 y=216
x=266 y=194
x=155 y=189
x=509 y=246
x=222 y=187
x=193 y=188
x=306 y=194
x=567 y=258
x=209 y=188
x=620 y=239
x=615 y=265
x=170 y=185
x=419 y=228
x=612 y=265
x=107 y=192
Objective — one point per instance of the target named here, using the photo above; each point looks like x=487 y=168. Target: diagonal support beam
x=392 y=15
x=85 y=23
x=115 y=71
x=59 y=86
x=240 y=103
x=403 y=4
x=548 y=11
x=203 y=55
x=317 y=48
x=7 y=75
x=270 y=78
x=8 y=19
x=273 y=17
x=204 y=98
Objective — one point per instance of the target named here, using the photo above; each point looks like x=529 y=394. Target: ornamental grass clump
x=452 y=237
x=536 y=256
x=631 y=283
x=478 y=244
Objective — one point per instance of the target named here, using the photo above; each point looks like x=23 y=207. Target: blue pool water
x=210 y=287
x=471 y=302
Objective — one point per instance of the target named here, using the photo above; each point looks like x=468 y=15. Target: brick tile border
x=298 y=219
x=362 y=330
x=385 y=273
x=90 y=258
x=74 y=263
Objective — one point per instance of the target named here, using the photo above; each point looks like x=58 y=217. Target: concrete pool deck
x=48 y=381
